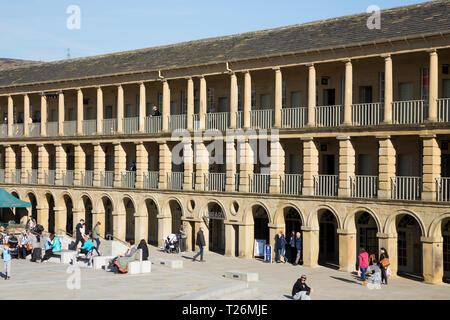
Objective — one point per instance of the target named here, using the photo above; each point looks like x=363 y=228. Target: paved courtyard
x=203 y=281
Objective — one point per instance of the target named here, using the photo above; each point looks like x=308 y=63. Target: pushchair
x=89 y=256
x=13 y=246
x=171 y=244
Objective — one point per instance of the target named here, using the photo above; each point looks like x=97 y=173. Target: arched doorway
x=51 y=213
x=216 y=228
x=261 y=221
x=33 y=201
x=175 y=210
x=366 y=230
x=88 y=213
x=152 y=212
x=20 y=214
x=446 y=248
x=107 y=205
x=293 y=224
x=130 y=212
x=69 y=214
x=328 y=239
x=409 y=246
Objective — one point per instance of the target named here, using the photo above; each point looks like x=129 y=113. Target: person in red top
x=363 y=264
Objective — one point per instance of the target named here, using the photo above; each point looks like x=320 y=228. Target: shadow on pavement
x=288 y=297
x=345 y=280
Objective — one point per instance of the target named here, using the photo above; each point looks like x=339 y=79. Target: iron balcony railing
x=215 y=181
x=408 y=112
x=444 y=110
x=196 y=121
x=3 y=130
x=52 y=129
x=177 y=121
x=443 y=189
x=291 y=184
x=16 y=176
x=329 y=116
x=68 y=178
x=326 y=185
x=107 y=179
x=259 y=183
x=406 y=188
x=17 y=130
x=151 y=179
x=218 y=120
x=35 y=129
x=70 y=128
x=175 y=180
x=367 y=114
x=239 y=119
x=89 y=127
x=87 y=178
x=131 y=125
x=33 y=176
x=153 y=124
x=128 y=179
x=294 y=117
x=261 y=119
x=364 y=186
x=2 y=175
x=50 y=177
x=109 y=126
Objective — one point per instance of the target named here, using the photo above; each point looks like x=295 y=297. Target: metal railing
x=52 y=129
x=364 y=186
x=239 y=119
x=406 y=188
x=70 y=128
x=16 y=176
x=50 y=177
x=151 y=179
x=109 y=126
x=153 y=124
x=329 y=116
x=261 y=119
x=131 y=125
x=294 y=117
x=177 y=121
x=87 y=178
x=175 y=180
x=35 y=129
x=444 y=110
x=218 y=120
x=443 y=189
x=2 y=175
x=215 y=181
x=406 y=112
x=326 y=185
x=128 y=179
x=33 y=176
x=196 y=121
x=366 y=114
x=259 y=183
x=291 y=184
x=68 y=178
x=17 y=129
x=3 y=130
x=89 y=127
x=107 y=179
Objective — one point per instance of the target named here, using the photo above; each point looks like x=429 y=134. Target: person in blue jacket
x=298 y=246
x=88 y=245
x=281 y=245
x=7 y=261
x=52 y=245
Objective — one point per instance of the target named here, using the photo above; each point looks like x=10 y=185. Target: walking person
x=384 y=264
x=293 y=251
x=281 y=245
x=184 y=234
x=96 y=234
x=298 y=248
x=79 y=234
x=201 y=243
x=7 y=261
x=363 y=259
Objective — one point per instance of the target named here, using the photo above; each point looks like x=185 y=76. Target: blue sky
x=36 y=29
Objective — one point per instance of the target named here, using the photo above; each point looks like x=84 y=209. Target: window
x=283 y=94
x=365 y=164
x=446 y=88
x=253 y=97
x=365 y=94
x=128 y=111
x=406 y=91
x=223 y=104
x=381 y=76
x=296 y=99
x=239 y=98
x=210 y=100
x=160 y=100
x=265 y=101
x=405 y=165
x=183 y=102
x=424 y=84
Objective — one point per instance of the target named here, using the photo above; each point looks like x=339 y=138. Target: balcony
x=177 y=121
x=89 y=127
x=291 y=184
x=218 y=121
x=33 y=176
x=52 y=129
x=151 y=179
x=329 y=116
x=259 y=183
x=326 y=185
x=70 y=128
x=109 y=126
x=408 y=112
x=406 y=188
x=175 y=180
x=261 y=119
x=364 y=186
x=35 y=129
x=16 y=176
x=153 y=124
x=87 y=178
x=215 y=181
x=50 y=177
x=68 y=178
x=128 y=179
x=17 y=129
x=367 y=114
x=444 y=110
x=443 y=189
x=107 y=179
x=131 y=125
x=294 y=117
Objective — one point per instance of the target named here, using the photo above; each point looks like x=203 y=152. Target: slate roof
x=11 y=63
x=425 y=18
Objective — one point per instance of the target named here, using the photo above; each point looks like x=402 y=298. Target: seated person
x=122 y=260
x=301 y=291
x=143 y=245
x=87 y=246
x=23 y=244
x=375 y=272
x=52 y=245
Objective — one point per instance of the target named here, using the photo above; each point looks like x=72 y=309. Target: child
x=7 y=261
x=376 y=272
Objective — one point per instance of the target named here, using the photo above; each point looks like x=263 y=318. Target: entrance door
x=328 y=164
x=446 y=88
x=445 y=165
x=329 y=97
x=216 y=235
x=327 y=242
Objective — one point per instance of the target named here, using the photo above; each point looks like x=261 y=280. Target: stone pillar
x=99 y=163
x=99 y=216
x=348 y=100
x=246 y=241
x=99 y=110
x=80 y=112
x=346 y=165
x=60 y=219
x=246 y=164
x=165 y=165
x=433 y=88
x=386 y=167
x=142 y=107
x=388 y=89
x=10 y=163
x=347 y=250
x=42 y=163
x=389 y=242
x=247 y=99
x=233 y=100
x=310 y=165
x=119 y=164
x=310 y=246
x=164 y=228
x=201 y=164
x=431 y=167
x=165 y=106
x=26 y=162
x=188 y=157
x=190 y=104
x=230 y=240
x=141 y=228
x=277 y=166
x=278 y=97
x=80 y=164
x=61 y=163
x=26 y=115
x=42 y=217
x=43 y=115
x=10 y=116
x=230 y=184
x=61 y=113
x=311 y=96
x=433 y=257
x=119 y=225
x=188 y=226
x=203 y=101
x=120 y=109
x=273 y=231
x=141 y=163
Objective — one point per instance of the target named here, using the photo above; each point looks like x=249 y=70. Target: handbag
x=388 y=272
x=385 y=263
x=29 y=247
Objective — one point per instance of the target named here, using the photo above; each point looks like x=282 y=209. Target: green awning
x=9 y=201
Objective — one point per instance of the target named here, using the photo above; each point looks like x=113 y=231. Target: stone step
x=243 y=276
x=173 y=264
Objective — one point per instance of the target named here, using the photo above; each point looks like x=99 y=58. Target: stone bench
x=173 y=264
x=138 y=267
x=101 y=262
x=243 y=276
x=63 y=256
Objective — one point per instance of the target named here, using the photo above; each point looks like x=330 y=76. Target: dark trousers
x=98 y=243
x=183 y=244
x=79 y=239
x=200 y=253
x=22 y=252
x=292 y=254
x=48 y=254
x=383 y=275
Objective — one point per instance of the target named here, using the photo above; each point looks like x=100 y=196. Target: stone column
x=43 y=115
x=165 y=106
x=310 y=165
x=99 y=163
x=201 y=164
x=346 y=165
x=233 y=101
x=42 y=163
x=10 y=116
x=433 y=88
x=99 y=110
x=164 y=228
x=61 y=113
x=141 y=228
x=247 y=99
x=61 y=164
x=277 y=165
x=119 y=225
x=26 y=162
x=347 y=250
x=387 y=89
x=203 y=101
x=274 y=229
x=188 y=157
x=433 y=256
x=278 y=97
x=42 y=217
x=230 y=164
x=119 y=164
x=246 y=241
x=10 y=163
x=386 y=167
x=99 y=216
x=190 y=104
x=431 y=167
x=142 y=107
x=348 y=100
x=141 y=163
x=311 y=96
x=60 y=219
x=246 y=164
x=80 y=112
x=120 y=108
x=389 y=242
x=188 y=225
x=230 y=240
x=80 y=164
x=310 y=246
x=26 y=115
x=165 y=165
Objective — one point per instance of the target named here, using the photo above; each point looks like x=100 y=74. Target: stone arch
x=248 y=212
x=435 y=229
x=19 y=214
x=151 y=211
x=50 y=198
x=391 y=222
x=349 y=220
x=214 y=214
x=128 y=205
x=204 y=209
x=106 y=204
x=313 y=221
x=88 y=206
x=32 y=198
x=165 y=209
x=280 y=213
